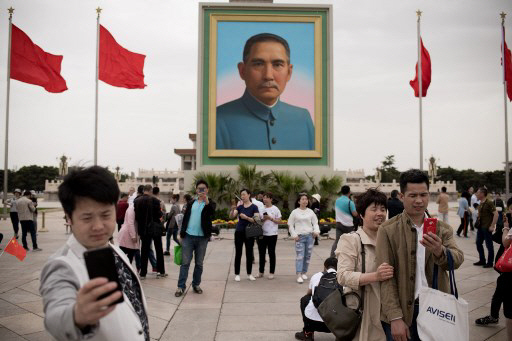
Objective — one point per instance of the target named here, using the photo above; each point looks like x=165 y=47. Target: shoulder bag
x=253 y=230
x=355 y=220
x=154 y=228
x=504 y=264
x=342 y=321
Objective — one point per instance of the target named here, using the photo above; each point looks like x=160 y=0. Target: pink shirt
x=129 y=230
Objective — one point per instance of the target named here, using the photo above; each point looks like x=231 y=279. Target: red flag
x=16 y=249
x=508 y=68
x=30 y=64
x=118 y=66
x=426 y=73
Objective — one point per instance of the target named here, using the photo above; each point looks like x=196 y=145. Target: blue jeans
x=174 y=233
x=481 y=235
x=303 y=249
x=197 y=245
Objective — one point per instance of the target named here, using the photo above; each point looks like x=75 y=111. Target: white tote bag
x=442 y=316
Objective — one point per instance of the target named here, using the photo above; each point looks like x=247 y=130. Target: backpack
x=327 y=284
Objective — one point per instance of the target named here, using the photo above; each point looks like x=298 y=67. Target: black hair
x=261 y=192
x=148 y=188
x=443 y=189
x=263 y=37
x=201 y=182
x=27 y=193
x=95 y=183
x=345 y=190
x=187 y=197
x=176 y=197
x=371 y=196
x=331 y=263
x=475 y=205
x=156 y=190
x=394 y=193
x=483 y=190
x=123 y=194
x=140 y=189
x=509 y=202
x=300 y=195
x=413 y=176
x=268 y=195
x=246 y=191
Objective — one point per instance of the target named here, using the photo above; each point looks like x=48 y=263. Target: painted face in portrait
x=266 y=71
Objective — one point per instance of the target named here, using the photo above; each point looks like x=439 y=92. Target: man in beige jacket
x=401 y=244
x=26 y=211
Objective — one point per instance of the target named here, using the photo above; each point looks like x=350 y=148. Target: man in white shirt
x=312 y=320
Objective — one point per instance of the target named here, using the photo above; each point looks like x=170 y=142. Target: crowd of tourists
x=383 y=265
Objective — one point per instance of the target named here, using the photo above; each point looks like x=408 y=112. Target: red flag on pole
x=508 y=68
x=16 y=249
x=426 y=73
x=30 y=64
x=118 y=66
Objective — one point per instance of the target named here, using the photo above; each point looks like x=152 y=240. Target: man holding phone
x=406 y=243
x=75 y=306
x=196 y=230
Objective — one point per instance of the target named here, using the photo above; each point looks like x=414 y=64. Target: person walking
x=195 y=233
x=121 y=207
x=486 y=223
x=345 y=214
x=395 y=205
x=271 y=219
x=13 y=212
x=303 y=227
x=128 y=237
x=463 y=213
x=26 y=211
x=171 y=227
x=247 y=213
x=372 y=208
x=442 y=205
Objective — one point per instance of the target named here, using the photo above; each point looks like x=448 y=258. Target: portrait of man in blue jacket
x=259 y=120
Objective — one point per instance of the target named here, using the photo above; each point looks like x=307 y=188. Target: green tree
x=388 y=169
x=329 y=188
x=33 y=177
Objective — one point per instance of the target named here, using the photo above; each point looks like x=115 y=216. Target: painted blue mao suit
x=246 y=123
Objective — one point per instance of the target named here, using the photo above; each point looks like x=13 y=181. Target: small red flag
x=426 y=73
x=508 y=68
x=118 y=66
x=16 y=249
x=30 y=64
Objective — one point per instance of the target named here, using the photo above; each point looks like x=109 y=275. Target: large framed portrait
x=264 y=84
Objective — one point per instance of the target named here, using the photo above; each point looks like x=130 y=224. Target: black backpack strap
x=363 y=268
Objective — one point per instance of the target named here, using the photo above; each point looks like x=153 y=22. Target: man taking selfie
x=72 y=305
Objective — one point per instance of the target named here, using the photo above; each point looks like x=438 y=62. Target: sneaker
x=154 y=270
x=166 y=253
x=300 y=280
x=179 y=292
x=197 y=289
x=259 y=275
x=479 y=263
x=37 y=249
x=486 y=266
x=237 y=278
x=16 y=236
x=251 y=278
x=161 y=275
x=271 y=276
x=483 y=321
x=306 y=336
x=304 y=276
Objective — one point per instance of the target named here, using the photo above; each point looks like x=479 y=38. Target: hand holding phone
x=101 y=263
x=429 y=225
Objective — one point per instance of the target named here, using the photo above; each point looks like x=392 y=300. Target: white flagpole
x=507 y=168
x=6 y=153
x=98 y=10
x=418 y=12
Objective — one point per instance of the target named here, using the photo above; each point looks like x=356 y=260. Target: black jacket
x=146 y=207
x=206 y=218
x=395 y=206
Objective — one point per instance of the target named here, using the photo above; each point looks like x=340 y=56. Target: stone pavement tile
x=32 y=287
x=280 y=283
x=479 y=297
x=156 y=326
x=212 y=272
x=478 y=333
x=268 y=322
x=500 y=336
x=7 y=335
x=259 y=309
x=263 y=297
x=211 y=298
x=162 y=310
x=266 y=336
x=9 y=309
x=23 y=324
x=40 y=336
x=192 y=324
x=468 y=285
x=19 y=296
x=160 y=294
x=11 y=284
x=35 y=307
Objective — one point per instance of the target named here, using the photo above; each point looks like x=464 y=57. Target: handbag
x=355 y=220
x=154 y=228
x=442 y=316
x=342 y=321
x=504 y=264
x=253 y=230
x=177 y=255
